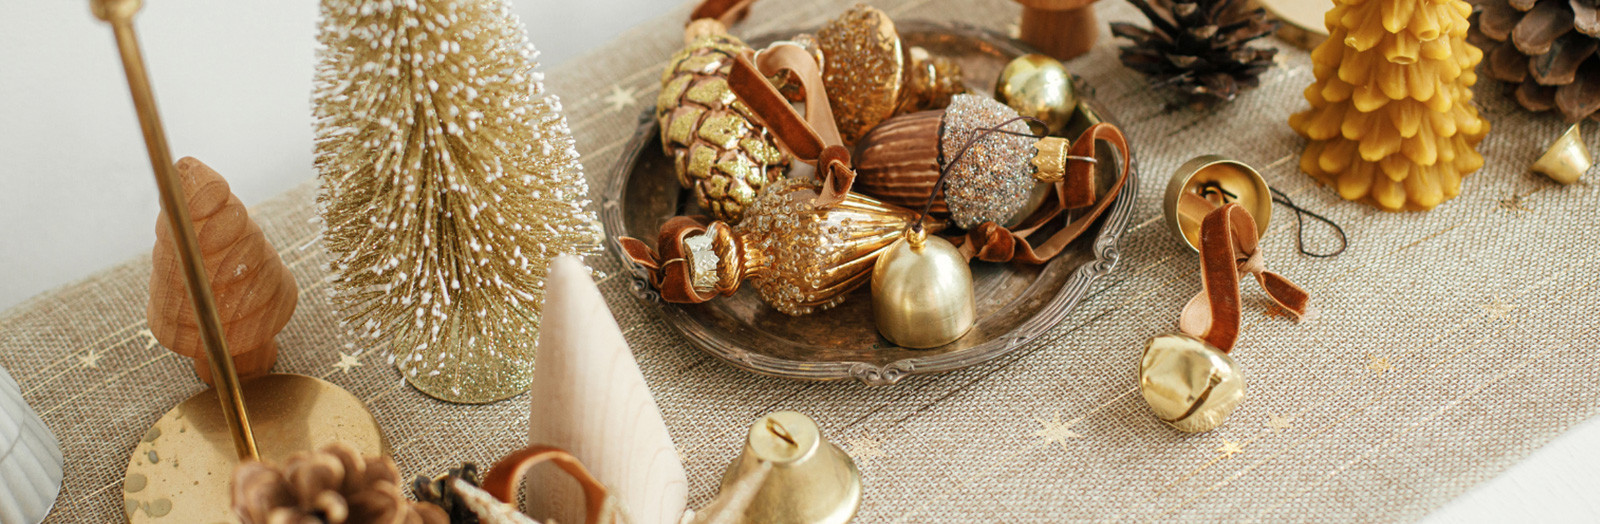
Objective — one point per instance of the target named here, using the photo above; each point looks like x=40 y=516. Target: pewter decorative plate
x=1016 y=303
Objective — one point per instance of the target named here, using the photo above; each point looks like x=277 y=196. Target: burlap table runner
x=1450 y=345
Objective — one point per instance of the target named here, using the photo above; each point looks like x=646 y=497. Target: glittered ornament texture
x=1392 y=121
x=449 y=180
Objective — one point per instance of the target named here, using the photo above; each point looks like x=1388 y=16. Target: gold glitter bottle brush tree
x=1188 y=378
x=165 y=468
x=1392 y=121
x=446 y=189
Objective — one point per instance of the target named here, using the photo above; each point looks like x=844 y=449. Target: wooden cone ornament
x=589 y=398
x=255 y=292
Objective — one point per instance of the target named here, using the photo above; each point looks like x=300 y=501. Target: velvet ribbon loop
x=813 y=138
x=1229 y=250
x=670 y=270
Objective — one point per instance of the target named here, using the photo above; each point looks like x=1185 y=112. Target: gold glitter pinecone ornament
x=717 y=147
x=801 y=258
x=1392 y=121
x=1546 y=50
x=871 y=75
x=334 y=485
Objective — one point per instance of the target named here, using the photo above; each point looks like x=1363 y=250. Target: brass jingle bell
x=1188 y=383
x=922 y=292
x=1038 y=86
x=1208 y=181
x=802 y=478
x=1567 y=159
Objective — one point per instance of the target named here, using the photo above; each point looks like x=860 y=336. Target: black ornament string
x=944 y=170
x=1299 y=218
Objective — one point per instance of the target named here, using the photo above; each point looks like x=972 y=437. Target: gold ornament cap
x=1209 y=181
x=1188 y=383
x=808 y=480
x=1567 y=159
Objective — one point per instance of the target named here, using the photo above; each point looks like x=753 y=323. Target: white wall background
x=233 y=78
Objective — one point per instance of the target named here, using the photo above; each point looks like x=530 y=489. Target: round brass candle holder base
x=182 y=470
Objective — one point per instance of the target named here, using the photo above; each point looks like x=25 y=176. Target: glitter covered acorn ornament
x=871 y=75
x=800 y=257
x=719 y=151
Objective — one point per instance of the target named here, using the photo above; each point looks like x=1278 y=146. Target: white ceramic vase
x=30 y=459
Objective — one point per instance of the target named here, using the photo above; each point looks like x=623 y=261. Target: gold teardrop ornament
x=922 y=292
x=1189 y=384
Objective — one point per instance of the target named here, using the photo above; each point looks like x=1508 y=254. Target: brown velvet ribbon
x=992 y=243
x=1229 y=249
x=503 y=479
x=814 y=138
x=728 y=12
x=670 y=269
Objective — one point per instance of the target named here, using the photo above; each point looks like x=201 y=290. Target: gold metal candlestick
x=181 y=471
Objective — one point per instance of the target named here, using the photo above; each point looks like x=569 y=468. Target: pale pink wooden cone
x=589 y=398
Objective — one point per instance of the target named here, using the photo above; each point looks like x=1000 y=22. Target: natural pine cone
x=334 y=485
x=440 y=492
x=717 y=146
x=1199 y=47
x=1548 y=50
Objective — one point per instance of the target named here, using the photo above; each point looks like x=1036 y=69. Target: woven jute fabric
x=1449 y=344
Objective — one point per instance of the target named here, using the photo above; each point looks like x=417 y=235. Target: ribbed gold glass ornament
x=449 y=180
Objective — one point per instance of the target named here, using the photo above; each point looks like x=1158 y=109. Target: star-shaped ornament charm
x=621 y=98
x=149 y=338
x=1055 y=431
x=1514 y=205
x=347 y=362
x=91 y=359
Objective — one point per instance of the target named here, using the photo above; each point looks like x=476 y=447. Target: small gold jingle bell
x=922 y=292
x=802 y=478
x=1038 y=86
x=1189 y=384
x=1567 y=159
x=1208 y=181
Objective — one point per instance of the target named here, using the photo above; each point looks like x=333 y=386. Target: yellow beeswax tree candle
x=1391 y=120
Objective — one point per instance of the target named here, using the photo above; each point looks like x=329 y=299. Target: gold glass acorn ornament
x=922 y=292
x=1208 y=181
x=1038 y=86
x=1188 y=383
x=871 y=75
x=719 y=150
x=1002 y=178
x=800 y=258
x=1567 y=159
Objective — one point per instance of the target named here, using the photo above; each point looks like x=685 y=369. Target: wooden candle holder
x=1063 y=29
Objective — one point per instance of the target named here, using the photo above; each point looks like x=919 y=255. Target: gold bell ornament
x=922 y=293
x=799 y=256
x=1189 y=380
x=1038 y=86
x=1567 y=159
x=1206 y=182
x=787 y=474
x=718 y=150
x=871 y=75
